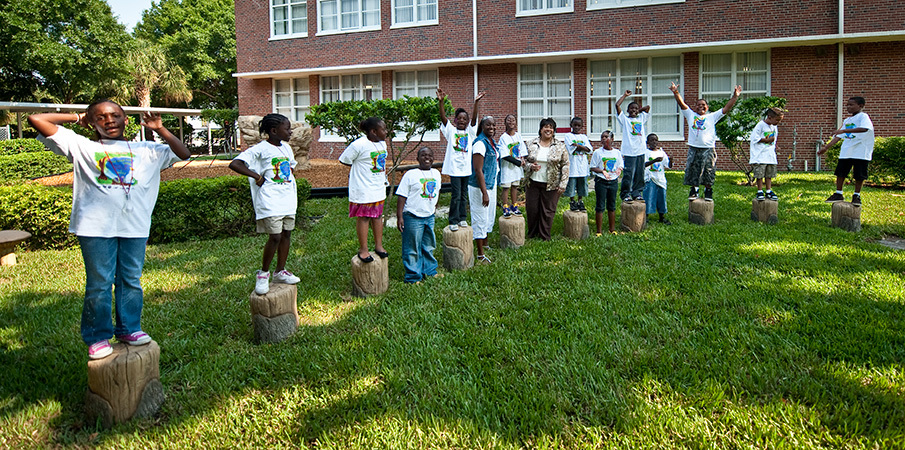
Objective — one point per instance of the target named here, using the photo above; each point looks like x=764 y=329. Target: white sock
x=839 y=192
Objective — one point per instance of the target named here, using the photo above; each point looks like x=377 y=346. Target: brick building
x=564 y=58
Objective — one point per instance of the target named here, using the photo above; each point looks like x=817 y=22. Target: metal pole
x=19 y=122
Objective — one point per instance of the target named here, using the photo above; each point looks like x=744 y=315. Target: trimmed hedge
x=887 y=164
x=40 y=210
x=24 y=166
x=211 y=208
x=16 y=146
x=187 y=210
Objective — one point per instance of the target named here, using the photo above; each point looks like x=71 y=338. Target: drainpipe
x=841 y=65
x=474 y=42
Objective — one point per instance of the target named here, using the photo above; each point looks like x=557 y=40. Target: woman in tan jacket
x=548 y=174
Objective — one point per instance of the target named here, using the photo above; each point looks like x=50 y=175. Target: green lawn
x=735 y=335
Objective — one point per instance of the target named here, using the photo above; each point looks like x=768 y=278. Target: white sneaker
x=286 y=277
x=262 y=282
x=453 y=227
x=463 y=224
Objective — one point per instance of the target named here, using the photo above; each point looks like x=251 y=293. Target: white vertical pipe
x=474 y=42
x=839 y=84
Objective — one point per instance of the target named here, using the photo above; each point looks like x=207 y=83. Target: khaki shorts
x=764 y=170
x=275 y=224
x=514 y=184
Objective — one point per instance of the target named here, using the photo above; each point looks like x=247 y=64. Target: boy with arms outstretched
x=857 y=135
x=699 y=167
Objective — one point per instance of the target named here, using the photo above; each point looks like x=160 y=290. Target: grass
x=734 y=335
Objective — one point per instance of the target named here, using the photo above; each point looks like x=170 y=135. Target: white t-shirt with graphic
x=421 y=189
x=610 y=161
x=656 y=172
x=634 y=130
x=115 y=183
x=278 y=196
x=368 y=176
x=511 y=146
x=578 y=161
x=702 y=130
x=457 y=161
x=857 y=145
x=762 y=153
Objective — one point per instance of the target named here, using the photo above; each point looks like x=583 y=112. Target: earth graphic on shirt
x=847 y=127
x=461 y=142
x=769 y=134
x=609 y=165
x=115 y=169
x=655 y=167
x=378 y=162
x=282 y=170
x=636 y=128
x=428 y=188
x=514 y=149
x=698 y=123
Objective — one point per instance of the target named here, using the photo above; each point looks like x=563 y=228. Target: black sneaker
x=581 y=206
x=573 y=206
x=856 y=199
x=665 y=221
x=836 y=197
x=693 y=193
x=639 y=198
x=760 y=196
x=772 y=196
x=627 y=199
x=708 y=194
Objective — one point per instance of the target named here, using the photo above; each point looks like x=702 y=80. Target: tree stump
x=371 y=278
x=700 y=212
x=124 y=385
x=847 y=216
x=766 y=211
x=9 y=239
x=275 y=315
x=512 y=232
x=575 y=225
x=633 y=216
x=458 y=248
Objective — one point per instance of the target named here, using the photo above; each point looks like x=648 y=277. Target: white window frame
x=425 y=91
x=288 y=6
x=327 y=135
x=546 y=99
x=294 y=108
x=543 y=10
x=735 y=74
x=340 y=30
x=415 y=8
x=612 y=4
x=647 y=99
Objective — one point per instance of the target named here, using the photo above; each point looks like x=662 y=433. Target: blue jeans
x=418 y=244
x=655 y=198
x=632 y=176
x=459 y=199
x=112 y=262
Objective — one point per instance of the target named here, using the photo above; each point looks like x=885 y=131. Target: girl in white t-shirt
x=367 y=156
x=274 y=195
x=512 y=157
x=113 y=195
x=460 y=135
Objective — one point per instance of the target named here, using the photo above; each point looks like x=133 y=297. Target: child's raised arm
x=48 y=123
x=731 y=103
x=155 y=123
x=621 y=99
x=474 y=114
x=678 y=96
x=441 y=100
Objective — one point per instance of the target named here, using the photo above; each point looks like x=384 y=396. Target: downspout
x=474 y=42
x=841 y=64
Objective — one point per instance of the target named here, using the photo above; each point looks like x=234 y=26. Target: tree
x=734 y=129
x=200 y=37
x=61 y=51
x=408 y=117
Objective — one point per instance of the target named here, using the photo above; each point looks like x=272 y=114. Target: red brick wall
x=863 y=16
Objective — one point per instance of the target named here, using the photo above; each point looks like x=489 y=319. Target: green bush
x=16 y=146
x=32 y=165
x=211 y=208
x=887 y=164
x=40 y=210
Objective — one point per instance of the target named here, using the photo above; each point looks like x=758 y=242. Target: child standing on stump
x=460 y=135
x=633 y=131
x=607 y=165
x=367 y=156
x=857 y=135
x=763 y=153
x=512 y=157
x=418 y=193
x=700 y=165
x=579 y=147
x=274 y=195
x=114 y=192
x=655 y=163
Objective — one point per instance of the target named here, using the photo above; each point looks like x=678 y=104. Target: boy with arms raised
x=632 y=148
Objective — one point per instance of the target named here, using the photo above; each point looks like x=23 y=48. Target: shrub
x=211 y=208
x=40 y=210
x=32 y=165
x=16 y=146
x=887 y=164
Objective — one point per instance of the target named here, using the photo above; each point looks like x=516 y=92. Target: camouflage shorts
x=699 y=167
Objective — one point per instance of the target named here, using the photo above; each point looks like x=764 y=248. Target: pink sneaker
x=100 y=350
x=136 y=338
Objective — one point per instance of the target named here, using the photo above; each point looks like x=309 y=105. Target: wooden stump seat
x=458 y=248
x=766 y=211
x=847 y=216
x=700 y=212
x=275 y=315
x=575 y=225
x=633 y=216
x=124 y=385
x=512 y=231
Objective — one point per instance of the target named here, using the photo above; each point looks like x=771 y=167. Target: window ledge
x=283 y=37
x=544 y=12
x=415 y=24
x=356 y=30
x=630 y=4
